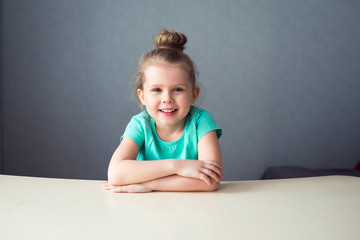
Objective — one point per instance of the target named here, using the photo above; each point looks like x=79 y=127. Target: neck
x=170 y=133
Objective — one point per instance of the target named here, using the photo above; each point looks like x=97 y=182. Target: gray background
x=282 y=79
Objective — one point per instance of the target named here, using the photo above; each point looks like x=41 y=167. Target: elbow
x=214 y=186
x=117 y=174
x=115 y=179
x=111 y=178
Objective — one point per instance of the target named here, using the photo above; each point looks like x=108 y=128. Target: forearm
x=127 y=172
x=177 y=183
x=189 y=175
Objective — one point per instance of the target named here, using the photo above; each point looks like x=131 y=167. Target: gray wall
x=281 y=77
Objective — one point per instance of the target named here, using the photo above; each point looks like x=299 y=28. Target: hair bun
x=171 y=40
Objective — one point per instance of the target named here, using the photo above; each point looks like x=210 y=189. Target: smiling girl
x=170 y=129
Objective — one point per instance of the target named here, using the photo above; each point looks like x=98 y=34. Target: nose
x=166 y=97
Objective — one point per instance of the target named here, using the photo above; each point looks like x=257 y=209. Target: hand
x=132 y=188
x=200 y=169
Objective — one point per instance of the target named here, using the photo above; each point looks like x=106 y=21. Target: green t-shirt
x=141 y=129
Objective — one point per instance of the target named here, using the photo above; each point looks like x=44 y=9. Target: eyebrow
x=175 y=85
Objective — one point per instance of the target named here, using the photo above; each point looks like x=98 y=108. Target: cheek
x=190 y=97
x=185 y=99
x=151 y=100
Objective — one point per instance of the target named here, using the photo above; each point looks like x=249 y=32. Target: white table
x=303 y=208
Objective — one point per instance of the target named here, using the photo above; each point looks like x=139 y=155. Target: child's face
x=167 y=94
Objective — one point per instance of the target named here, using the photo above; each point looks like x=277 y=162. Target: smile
x=167 y=110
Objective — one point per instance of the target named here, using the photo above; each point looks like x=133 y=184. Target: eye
x=156 y=90
x=178 y=90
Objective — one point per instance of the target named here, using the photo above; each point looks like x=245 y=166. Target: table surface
x=302 y=208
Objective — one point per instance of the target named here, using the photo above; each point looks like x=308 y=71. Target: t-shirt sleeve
x=135 y=131
x=206 y=123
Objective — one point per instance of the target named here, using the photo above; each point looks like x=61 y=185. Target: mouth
x=168 y=111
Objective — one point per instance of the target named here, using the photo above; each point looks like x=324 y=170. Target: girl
x=183 y=137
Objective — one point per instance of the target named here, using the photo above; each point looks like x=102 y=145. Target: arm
x=177 y=183
x=125 y=171
x=172 y=183
x=208 y=149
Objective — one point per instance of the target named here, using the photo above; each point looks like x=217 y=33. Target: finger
x=205 y=178
x=211 y=174
x=218 y=165
x=214 y=169
x=105 y=186
x=117 y=189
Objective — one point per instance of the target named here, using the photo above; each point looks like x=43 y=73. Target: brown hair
x=169 y=48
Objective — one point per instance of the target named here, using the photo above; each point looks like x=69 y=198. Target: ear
x=195 y=94
x=140 y=94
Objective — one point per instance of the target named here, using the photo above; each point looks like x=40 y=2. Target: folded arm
x=124 y=169
x=177 y=183
x=125 y=174
x=208 y=151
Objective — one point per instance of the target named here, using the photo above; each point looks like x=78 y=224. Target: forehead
x=165 y=73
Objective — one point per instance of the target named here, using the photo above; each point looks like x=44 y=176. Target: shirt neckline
x=153 y=128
